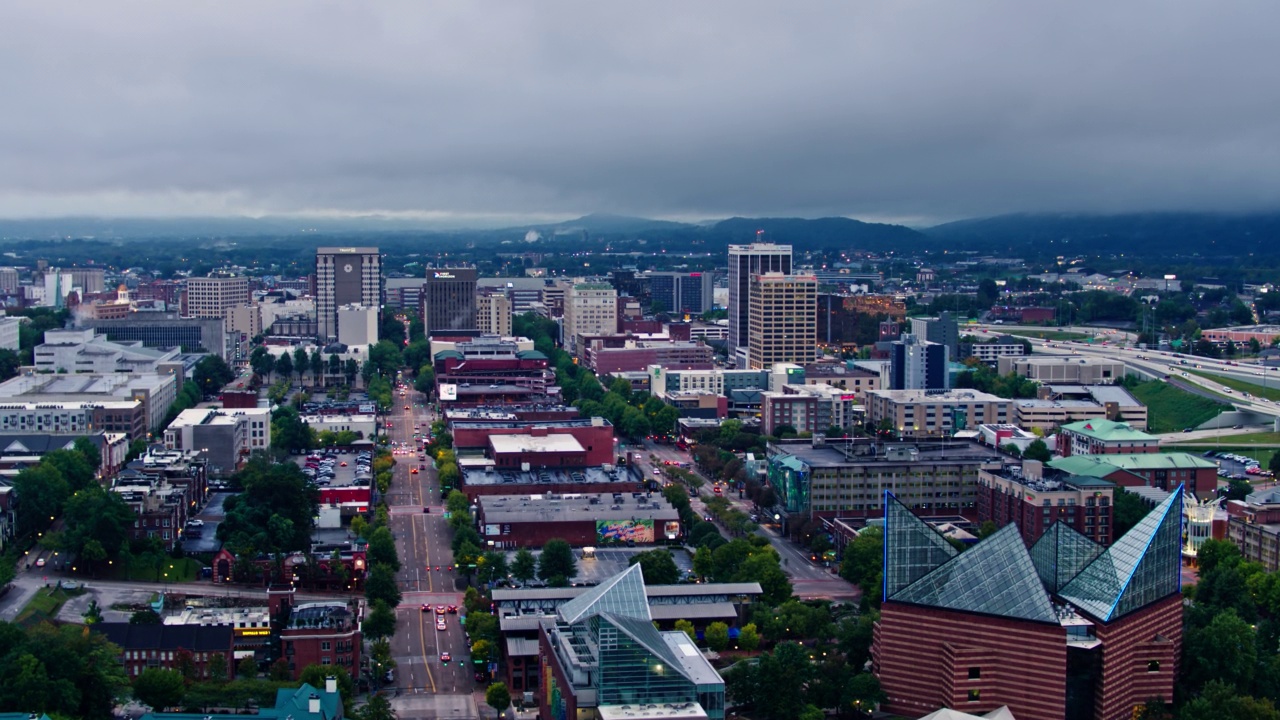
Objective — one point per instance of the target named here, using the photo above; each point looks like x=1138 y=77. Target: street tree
x=159 y=688
x=377 y=708
x=748 y=638
x=498 y=697
x=717 y=635
x=524 y=566
x=381 y=621
x=658 y=566
x=382 y=549
x=381 y=585
x=556 y=564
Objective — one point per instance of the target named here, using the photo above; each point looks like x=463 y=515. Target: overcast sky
x=911 y=111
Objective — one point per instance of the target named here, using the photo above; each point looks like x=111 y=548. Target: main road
x=427 y=578
x=810 y=581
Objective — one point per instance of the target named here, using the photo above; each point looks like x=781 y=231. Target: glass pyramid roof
x=643 y=632
x=623 y=594
x=995 y=577
x=1060 y=554
x=912 y=549
x=1138 y=569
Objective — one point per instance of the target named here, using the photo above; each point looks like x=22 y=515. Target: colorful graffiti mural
x=621 y=531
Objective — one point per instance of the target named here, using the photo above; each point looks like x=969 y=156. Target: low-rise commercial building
x=603 y=356
x=1060 y=405
x=849 y=478
x=1057 y=369
x=362 y=425
x=472 y=437
x=75 y=418
x=1160 y=470
x=1099 y=436
x=166 y=330
x=481 y=477
x=583 y=519
x=991 y=352
x=75 y=351
x=155 y=390
x=1241 y=335
x=1253 y=525
x=924 y=413
x=168 y=647
x=225 y=437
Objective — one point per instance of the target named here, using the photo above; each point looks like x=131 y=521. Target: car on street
x=440 y=609
x=445 y=658
x=440 y=626
x=413 y=471
x=426 y=607
x=452 y=609
x=40 y=563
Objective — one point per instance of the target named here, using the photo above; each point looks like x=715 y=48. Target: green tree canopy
x=275 y=513
x=658 y=566
x=556 y=562
x=159 y=688
x=524 y=566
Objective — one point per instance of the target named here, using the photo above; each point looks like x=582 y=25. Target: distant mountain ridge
x=1203 y=234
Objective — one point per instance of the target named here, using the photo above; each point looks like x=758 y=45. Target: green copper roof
x=995 y=577
x=1060 y=554
x=1108 y=430
x=912 y=549
x=1138 y=569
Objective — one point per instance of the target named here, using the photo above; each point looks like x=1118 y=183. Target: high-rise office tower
x=744 y=262
x=916 y=364
x=589 y=309
x=449 y=299
x=345 y=276
x=211 y=297
x=8 y=280
x=682 y=292
x=783 y=322
x=943 y=329
x=493 y=312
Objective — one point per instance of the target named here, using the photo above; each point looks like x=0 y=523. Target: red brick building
x=1166 y=471
x=1066 y=629
x=593 y=435
x=1100 y=436
x=322 y=633
x=168 y=646
x=1033 y=501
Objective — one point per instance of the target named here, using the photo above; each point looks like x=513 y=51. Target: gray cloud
x=908 y=110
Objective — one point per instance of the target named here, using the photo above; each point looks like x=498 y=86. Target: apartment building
x=493 y=312
x=924 y=413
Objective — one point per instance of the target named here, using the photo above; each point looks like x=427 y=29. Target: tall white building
x=211 y=297
x=357 y=325
x=9 y=280
x=589 y=309
x=493 y=312
x=345 y=276
x=745 y=261
x=9 y=334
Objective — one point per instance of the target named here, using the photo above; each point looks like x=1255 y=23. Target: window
x=975 y=695
x=975 y=673
x=325 y=645
x=1153 y=666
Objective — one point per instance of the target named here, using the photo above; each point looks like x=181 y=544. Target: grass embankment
x=42 y=606
x=184 y=570
x=1170 y=409
x=1269 y=391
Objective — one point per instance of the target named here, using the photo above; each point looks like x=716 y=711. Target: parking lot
x=604 y=563
x=1234 y=466
x=335 y=469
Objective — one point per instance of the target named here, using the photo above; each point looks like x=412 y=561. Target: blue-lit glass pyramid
x=1138 y=569
x=1061 y=553
x=912 y=549
x=995 y=577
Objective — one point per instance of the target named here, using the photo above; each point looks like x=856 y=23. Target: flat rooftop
x=507 y=420
x=575 y=507
x=835 y=455
x=551 y=443
x=539 y=476
x=933 y=396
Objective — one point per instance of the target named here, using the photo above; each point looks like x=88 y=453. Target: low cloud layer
x=913 y=111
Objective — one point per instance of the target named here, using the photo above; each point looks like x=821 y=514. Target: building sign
x=448 y=391
x=442 y=275
x=621 y=531
x=671 y=529
x=492 y=529
x=252 y=632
